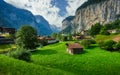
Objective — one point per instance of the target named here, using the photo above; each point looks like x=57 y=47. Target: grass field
x=54 y=60
x=6 y=47
x=106 y=37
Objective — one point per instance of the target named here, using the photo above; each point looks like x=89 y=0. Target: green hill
x=54 y=60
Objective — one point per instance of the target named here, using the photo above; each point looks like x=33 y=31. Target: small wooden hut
x=74 y=48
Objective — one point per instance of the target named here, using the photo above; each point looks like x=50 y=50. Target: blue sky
x=54 y=11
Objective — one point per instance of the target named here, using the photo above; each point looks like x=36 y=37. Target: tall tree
x=26 y=37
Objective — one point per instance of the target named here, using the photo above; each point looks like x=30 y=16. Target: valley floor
x=54 y=60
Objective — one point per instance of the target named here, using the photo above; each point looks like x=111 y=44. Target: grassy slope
x=54 y=60
x=10 y=66
x=6 y=47
x=105 y=37
x=93 y=61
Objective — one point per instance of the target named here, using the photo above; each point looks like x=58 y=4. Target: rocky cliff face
x=13 y=17
x=68 y=25
x=102 y=12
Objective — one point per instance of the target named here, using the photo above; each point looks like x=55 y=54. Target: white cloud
x=73 y=5
x=46 y=9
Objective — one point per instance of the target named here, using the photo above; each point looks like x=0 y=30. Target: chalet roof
x=117 y=39
x=74 y=45
x=49 y=38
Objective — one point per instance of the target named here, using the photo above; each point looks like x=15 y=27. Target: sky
x=54 y=11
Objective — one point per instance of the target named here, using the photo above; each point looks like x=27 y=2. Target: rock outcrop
x=103 y=12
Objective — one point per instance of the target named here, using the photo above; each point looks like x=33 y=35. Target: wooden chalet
x=49 y=40
x=4 y=40
x=116 y=39
x=7 y=30
x=74 y=48
x=78 y=37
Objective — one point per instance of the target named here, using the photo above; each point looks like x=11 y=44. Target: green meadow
x=54 y=60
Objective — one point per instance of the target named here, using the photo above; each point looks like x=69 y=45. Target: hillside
x=94 y=11
x=10 y=66
x=13 y=17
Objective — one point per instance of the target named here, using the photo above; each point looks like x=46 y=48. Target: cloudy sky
x=54 y=11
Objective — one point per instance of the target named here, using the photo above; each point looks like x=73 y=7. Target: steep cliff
x=68 y=25
x=103 y=11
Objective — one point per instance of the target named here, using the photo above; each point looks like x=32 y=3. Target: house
x=84 y=32
x=74 y=48
x=1 y=29
x=116 y=39
x=78 y=37
x=113 y=31
x=4 y=40
x=50 y=40
x=7 y=30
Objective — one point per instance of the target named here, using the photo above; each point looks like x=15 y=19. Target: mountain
x=68 y=25
x=55 y=28
x=94 y=11
x=11 y=16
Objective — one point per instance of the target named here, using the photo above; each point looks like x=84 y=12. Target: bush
x=107 y=45
x=21 y=54
x=104 y=32
x=87 y=42
x=101 y=44
x=92 y=41
x=117 y=46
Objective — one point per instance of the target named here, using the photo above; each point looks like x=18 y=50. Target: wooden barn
x=74 y=48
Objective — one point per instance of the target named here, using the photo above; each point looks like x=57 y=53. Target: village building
x=113 y=31
x=78 y=37
x=116 y=39
x=74 y=48
x=50 y=40
x=84 y=32
x=4 y=40
x=7 y=30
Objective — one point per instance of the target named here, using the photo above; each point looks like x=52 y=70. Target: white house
x=51 y=40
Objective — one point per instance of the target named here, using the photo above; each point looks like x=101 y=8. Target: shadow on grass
x=44 y=52
x=84 y=51
x=92 y=47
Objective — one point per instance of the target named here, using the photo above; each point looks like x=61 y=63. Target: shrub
x=92 y=41
x=104 y=32
x=101 y=44
x=87 y=42
x=107 y=45
x=117 y=46
x=21 y=54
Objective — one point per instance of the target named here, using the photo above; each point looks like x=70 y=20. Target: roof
x=74 y=45
x=49 y=38
x=117 y=39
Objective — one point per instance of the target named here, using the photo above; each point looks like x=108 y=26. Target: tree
x=70 y=37
x=103 y=31
x=54 y=35
x=95 y=29
x=26 y=37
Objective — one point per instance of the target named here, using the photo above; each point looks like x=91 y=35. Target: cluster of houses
x=7 y=30
x=3 y=39
x=82 y=35
x=49 y=40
